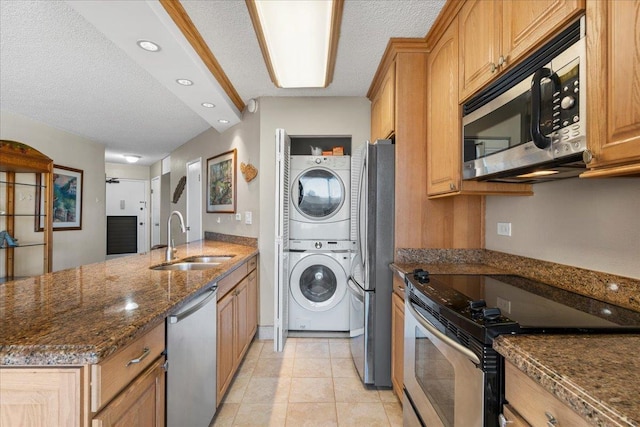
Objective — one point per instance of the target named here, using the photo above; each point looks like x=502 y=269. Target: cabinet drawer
x=536 y=405
x=226 y=284
x=252 y=263
x=112 y=375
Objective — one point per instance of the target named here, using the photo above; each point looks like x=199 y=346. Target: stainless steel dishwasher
x=191 y=353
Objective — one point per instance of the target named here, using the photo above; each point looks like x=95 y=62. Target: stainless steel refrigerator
x=370 y=281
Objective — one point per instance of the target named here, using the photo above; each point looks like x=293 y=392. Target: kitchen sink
x=185 y=266
x=208 y=259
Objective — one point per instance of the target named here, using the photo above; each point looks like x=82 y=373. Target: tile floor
x=311 y=383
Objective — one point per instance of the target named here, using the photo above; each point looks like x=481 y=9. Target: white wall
x=121 y=170
x=593 y=224
x=244 y=137
x=336 y=116
x=74 y=247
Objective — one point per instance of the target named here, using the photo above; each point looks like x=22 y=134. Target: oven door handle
x=433 y=330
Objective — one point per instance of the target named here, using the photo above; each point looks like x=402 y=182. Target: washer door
x=318 y=194
x=318 y=282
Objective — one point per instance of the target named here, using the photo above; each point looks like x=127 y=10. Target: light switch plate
x=504 y=229
x=248 y=217
x=238 y=217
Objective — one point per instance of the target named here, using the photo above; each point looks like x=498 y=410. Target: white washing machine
x=320 y=197
x=318 y=299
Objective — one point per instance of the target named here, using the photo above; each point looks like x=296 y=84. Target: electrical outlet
x=248 y=217
x=238 y=217
x=504 y=229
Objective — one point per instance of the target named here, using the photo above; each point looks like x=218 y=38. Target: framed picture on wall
x=221 y=183
x=67 y=199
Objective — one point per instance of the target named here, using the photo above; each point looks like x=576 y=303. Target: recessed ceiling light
x=208 y=105
x=223 y=121
x=131 y=158
x=184 y=82
x=148 y=46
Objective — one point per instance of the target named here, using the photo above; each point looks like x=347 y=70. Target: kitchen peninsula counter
x=82 y=315
x=595 y=375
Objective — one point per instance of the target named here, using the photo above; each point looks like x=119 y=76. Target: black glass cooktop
x=498 y=301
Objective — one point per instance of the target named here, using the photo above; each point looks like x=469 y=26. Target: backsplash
x=610 y=288
x=229 y=238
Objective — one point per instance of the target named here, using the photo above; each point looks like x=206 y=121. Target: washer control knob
x=567 y=102
x=318 y=245
x=318 y=160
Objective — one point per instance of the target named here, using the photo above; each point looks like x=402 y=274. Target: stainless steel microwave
x=530 y=125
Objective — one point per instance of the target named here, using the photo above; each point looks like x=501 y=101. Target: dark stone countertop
x=78 y=316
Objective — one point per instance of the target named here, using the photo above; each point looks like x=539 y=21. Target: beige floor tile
x=312 y=350
x=339 y=348
x=361 y=414
x=310 y=390
x=343 y=368
x=311 y=368
x=311 y=415
x=255 y=349
x=272 y=367
x=394 y=413
x=225 y=415
x=261 y=414
x=246 y=368
x=387 y=395
x=236 y=390
x=352 y=390
x=267 y=390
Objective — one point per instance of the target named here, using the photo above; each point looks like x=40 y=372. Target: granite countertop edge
x=15 y=354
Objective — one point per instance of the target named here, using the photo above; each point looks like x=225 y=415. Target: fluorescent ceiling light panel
x=298 y=39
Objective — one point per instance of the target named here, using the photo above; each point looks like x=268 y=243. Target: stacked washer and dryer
x=321 y=244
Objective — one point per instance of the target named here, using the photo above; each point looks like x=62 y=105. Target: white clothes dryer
x=318 y=299
x=320 y=197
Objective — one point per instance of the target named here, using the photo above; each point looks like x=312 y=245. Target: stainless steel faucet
x=171 y=251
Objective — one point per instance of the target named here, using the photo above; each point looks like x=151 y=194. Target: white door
x=194 y=201
x=155 y=211
x=128 y=198
x=281 y=320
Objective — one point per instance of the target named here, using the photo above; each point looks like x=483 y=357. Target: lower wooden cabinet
x=142 y=403
x=237 y=323
x=35 y=397
x=397 y=344
x=531 y=404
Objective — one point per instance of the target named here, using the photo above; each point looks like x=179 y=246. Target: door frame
x=194 y=204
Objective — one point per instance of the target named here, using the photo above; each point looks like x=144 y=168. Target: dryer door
x=318 y=194
x=318 y=282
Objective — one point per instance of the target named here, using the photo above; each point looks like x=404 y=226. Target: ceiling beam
x=180 y=17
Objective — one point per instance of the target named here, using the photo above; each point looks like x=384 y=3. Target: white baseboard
x=265 y=332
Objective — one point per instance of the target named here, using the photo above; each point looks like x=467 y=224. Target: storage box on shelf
x=26 y=191
x=237 y=320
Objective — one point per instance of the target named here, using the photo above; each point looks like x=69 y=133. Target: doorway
x=194 y=200
x=126 y=209
x=155 y=211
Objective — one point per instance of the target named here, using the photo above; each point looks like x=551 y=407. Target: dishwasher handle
x=175 y=318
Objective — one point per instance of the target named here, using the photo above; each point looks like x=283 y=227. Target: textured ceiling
x=57 y=68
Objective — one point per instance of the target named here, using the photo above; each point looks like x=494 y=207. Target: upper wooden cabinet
x=383 y=106
x=613 y=94
x=496 y=34
x=444 y=139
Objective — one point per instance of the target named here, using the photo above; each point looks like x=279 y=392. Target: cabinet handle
x=501 y=61
x=503 y=421
x=452 y=186
x=145 y=353
x=493 y=67
x=551 y=420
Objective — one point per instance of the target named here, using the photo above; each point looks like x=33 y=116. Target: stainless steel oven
x=443 y=378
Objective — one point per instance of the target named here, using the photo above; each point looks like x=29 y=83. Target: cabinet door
x=479 y=33
x=397 y=344
x=226 y=342
x=242 y=318
x=252 y=308
x=525 y=24
x=613 y=50
x=443 y=115
x=140 y=404
x=383 y=107
x=40 y=397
